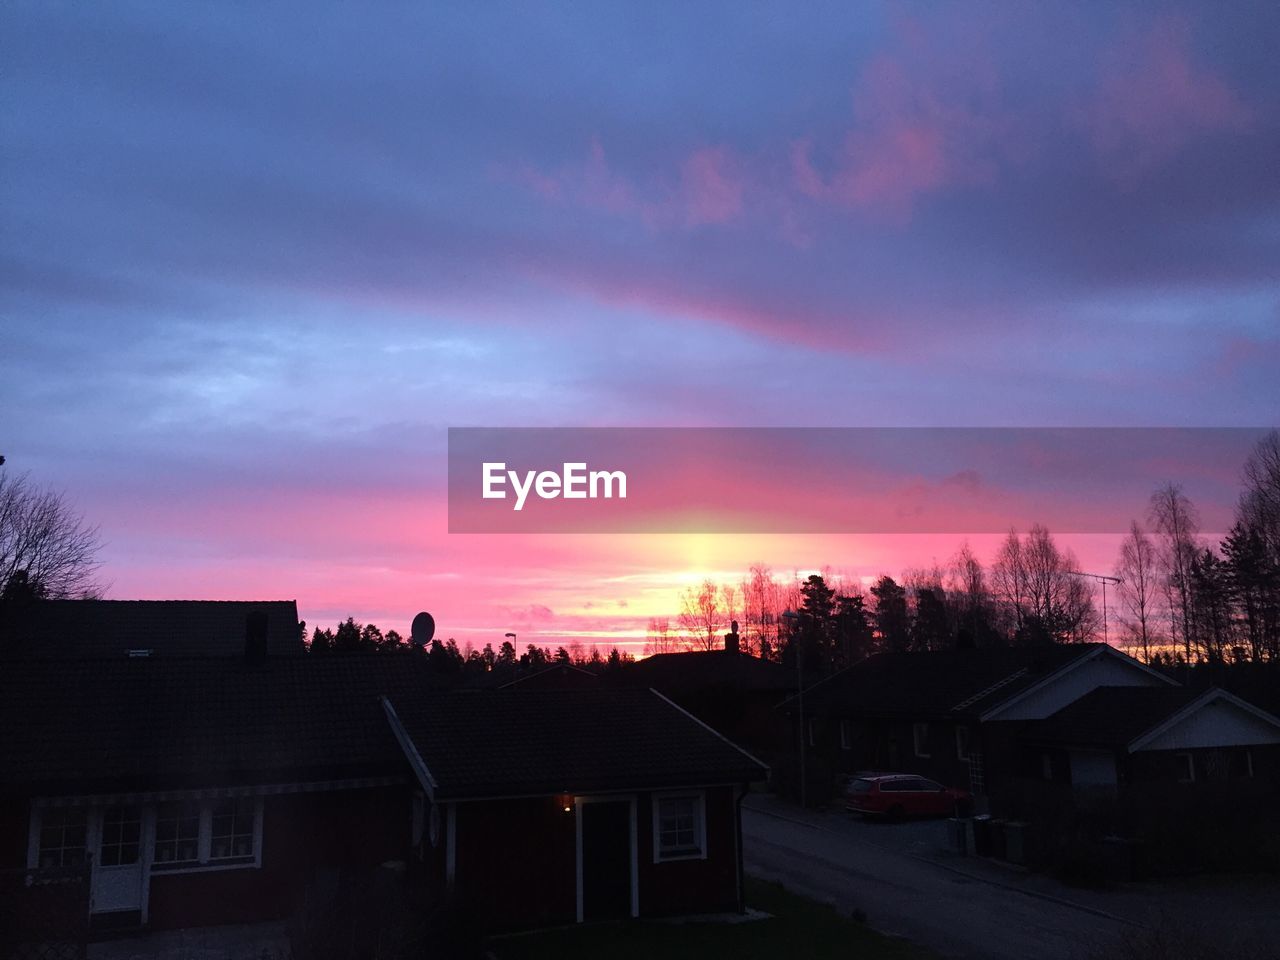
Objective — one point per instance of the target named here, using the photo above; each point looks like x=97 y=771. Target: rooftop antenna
x=1103 y=579
x=422 y=630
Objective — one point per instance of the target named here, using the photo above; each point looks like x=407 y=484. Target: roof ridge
x=983 y=694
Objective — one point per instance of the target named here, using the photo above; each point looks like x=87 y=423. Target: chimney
x=731 y=638
x=255 y=637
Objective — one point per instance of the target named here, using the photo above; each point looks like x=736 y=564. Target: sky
x=254 y=263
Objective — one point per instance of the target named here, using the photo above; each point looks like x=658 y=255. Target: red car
x=897 y=795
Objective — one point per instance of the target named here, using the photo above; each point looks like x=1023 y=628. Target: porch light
x=565 y=800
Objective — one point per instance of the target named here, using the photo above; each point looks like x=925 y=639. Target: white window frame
x=1187 y=775
x=920 y=733
x=699 y=827
x=205 y=862
x=33 y=838
x=846 y=741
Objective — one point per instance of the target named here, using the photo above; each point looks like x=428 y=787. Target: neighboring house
x=117 y=628
x=1122 y=736
x=558 y=676
x=949 y=715
x=550 y=806
x=203 y=790
x=200 y=790
x=734 y=692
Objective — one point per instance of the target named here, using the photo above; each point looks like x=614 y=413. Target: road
x=961 y=908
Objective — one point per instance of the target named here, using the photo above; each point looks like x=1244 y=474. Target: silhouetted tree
x=1255 y=585
x=44 y=543
x=1138 y=588
x=892 y=621
x=1174 y=518
x=702 y=616
x=931 y=627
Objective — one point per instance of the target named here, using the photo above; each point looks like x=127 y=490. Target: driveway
x=907 y=884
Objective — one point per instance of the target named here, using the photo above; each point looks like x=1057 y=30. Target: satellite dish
x=423 y=629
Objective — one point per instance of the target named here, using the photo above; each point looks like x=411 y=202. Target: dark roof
x=111 y=628
x=492 y=743
x=1111 y=716
x=962 y=683
x=558 y=676
x=677 y=674
x=77 y=726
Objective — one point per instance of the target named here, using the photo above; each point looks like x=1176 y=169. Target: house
x=553 y=806
x=185 y=790
x=952 y=716
x=557 y=676
x=1125 y=736
x=203 y=790
x=115 y=628
x=732 y=691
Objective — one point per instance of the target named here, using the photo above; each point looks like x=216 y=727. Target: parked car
x=897 y=795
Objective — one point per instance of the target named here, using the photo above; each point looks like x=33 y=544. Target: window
x=178 y=833
x=962 y=743
x=678 y=827
x=845 y=739
x=121 y=831
x=1240 y=764
x=62 y=837
x=920 y=737
x=811 y=733
x=232 y=829
x=1186 y=767
x=209 y=834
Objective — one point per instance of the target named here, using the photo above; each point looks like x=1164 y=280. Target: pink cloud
x=709 y=188
x=921 y=123
x=1153 y=99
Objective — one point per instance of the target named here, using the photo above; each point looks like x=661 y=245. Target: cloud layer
x=255 y=261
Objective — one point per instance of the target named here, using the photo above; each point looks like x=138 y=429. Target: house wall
x=888 y=746
x=310 y=842
x=1216 y=724
x=1213 y=764
x=1092 y=768
x=515 y=863
x=1104 y=670
x=14 y=824
x=707 y=885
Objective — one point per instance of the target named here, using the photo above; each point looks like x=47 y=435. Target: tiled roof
x=110 y=628
x=170 y=722
x=938 y=683
x=1111 y=716
x=489 y=743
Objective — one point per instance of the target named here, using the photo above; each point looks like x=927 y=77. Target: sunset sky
x=256 y=260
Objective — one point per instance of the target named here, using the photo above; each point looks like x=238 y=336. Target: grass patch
x=797 y=927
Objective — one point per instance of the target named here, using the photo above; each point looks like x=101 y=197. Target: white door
x=117 y=864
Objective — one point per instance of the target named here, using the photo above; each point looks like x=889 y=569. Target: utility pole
x=792 y=619
x=1104 y=580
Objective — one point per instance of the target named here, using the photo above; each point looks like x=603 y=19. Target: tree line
x=447 y=657
x=1181 y=598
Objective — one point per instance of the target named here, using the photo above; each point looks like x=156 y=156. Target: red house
x=194 y=790
x=550 y=806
